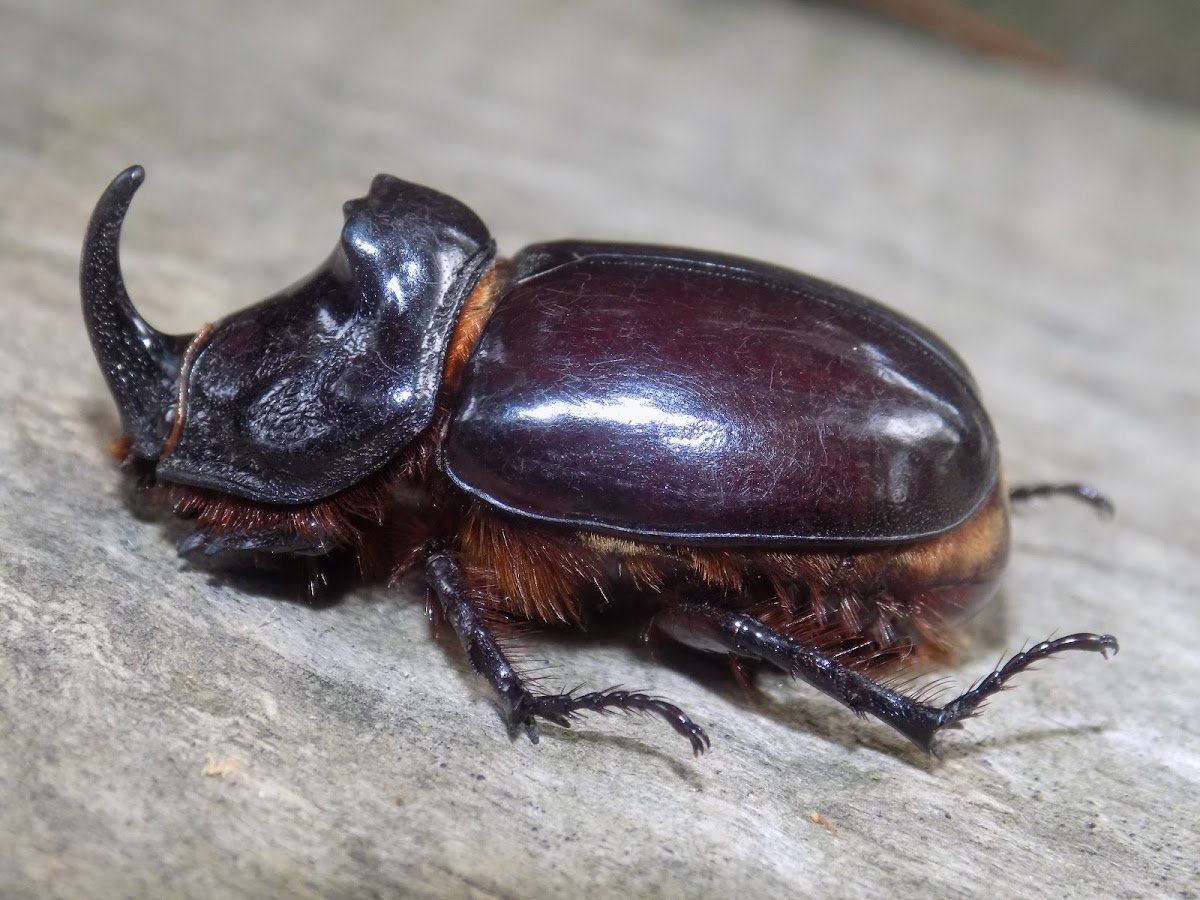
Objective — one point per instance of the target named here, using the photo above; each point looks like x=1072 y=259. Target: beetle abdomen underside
x=607 y=393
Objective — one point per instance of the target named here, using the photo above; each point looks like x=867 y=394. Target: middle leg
x=521 y=705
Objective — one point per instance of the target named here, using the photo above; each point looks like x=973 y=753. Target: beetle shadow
x=680 y=766
x=1031 y=737
x=278 y=581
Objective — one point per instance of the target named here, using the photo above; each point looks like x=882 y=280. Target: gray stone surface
x=1049 y=231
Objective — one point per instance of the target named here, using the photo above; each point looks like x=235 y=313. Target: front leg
x=521 y=706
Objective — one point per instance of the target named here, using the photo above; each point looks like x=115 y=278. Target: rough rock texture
x=167 y=733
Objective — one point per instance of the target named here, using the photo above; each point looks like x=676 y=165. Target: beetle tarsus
x=967 y=704
x=562 y=708
x=523 y=707
x=1084 y=492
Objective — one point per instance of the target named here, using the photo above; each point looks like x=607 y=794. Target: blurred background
x=1147 y=47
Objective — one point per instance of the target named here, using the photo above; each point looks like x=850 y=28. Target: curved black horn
x=140 y=364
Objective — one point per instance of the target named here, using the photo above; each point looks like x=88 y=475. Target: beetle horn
x=140 y=363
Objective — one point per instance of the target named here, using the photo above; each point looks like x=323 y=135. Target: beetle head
x=307 y=392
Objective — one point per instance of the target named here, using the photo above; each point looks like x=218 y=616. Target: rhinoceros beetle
x=741 y=458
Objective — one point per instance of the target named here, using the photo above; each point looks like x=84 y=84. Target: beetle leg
x=708 y=628
x=1084 y=492
x=521 y=706
x=967 y=703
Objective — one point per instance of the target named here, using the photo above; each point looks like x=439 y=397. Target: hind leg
x=713 y=629
x=1083 y=492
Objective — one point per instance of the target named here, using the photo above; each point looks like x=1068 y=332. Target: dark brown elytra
x=737 y=457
